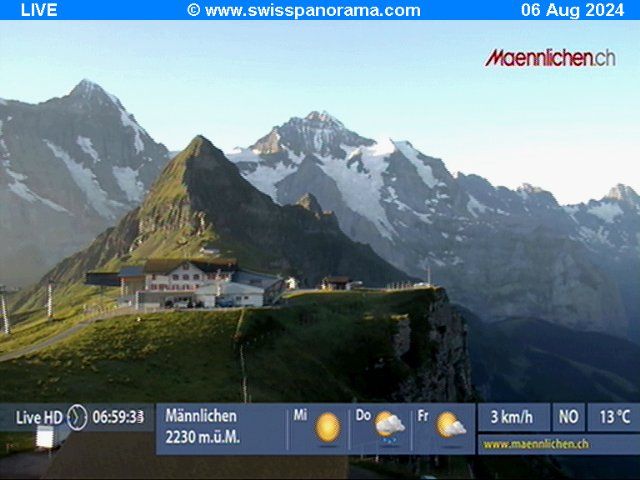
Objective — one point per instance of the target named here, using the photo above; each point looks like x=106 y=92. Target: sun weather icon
x=328 y=427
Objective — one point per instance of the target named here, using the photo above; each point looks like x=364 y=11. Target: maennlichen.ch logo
x=551 y=58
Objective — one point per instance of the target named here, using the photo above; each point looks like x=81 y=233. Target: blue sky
x=575 y=132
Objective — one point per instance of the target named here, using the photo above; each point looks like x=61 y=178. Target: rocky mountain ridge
x=200 y=199
x=69 y=167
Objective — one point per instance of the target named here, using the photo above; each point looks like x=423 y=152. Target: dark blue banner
x=574 y=10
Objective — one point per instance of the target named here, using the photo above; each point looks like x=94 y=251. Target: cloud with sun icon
x=388 y=424
x=449 y=426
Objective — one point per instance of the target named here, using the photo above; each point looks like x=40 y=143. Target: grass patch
x=182 y=357
x=318 y=347
x=72 y=305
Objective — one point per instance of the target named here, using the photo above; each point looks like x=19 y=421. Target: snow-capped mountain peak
x=318 y=133
x=89 y=97
x=86 y=87
x=88 y=94
x=416 y=215
x=536 y=196
x=75 y=163
x=624 y=194
x=324 y=117
x=372 y=180
x=527 y=188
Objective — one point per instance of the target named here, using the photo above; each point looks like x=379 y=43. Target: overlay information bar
x=397 y=429
x=573 y=10
x=90 y=417
x=316 y=429
x=348 y=428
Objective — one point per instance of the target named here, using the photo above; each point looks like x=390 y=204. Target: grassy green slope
x=30 y=324
x=322 y=347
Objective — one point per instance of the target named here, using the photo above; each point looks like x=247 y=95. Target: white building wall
x=209 y=301
x=181 y=279
x=249 y=300
x=241 y=295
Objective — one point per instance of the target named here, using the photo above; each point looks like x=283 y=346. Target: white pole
x=50 y=301
x=5 y=317
x=429 y=275
x=245 y=389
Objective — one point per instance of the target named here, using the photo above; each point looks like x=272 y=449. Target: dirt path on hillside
x=57 y=338
x=21 y=352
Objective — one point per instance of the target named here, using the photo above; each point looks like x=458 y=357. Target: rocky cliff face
x=69 y=168
x=447 y=374
x=500 y=252
x=399 y=346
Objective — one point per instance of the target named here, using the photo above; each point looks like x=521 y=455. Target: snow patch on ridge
x=294 y=157
x=240 y=154
x=381 y=148
x=264 y=177
x=571 y=209
x=86 y=181
x=362 y=190
x=17 y=177
x=128 y=182
x=425 y=171
x=474 y=206
x=24 y=192
x=87 y=147
x=606 y=211
x=17 y=186
x=4 y=151
x=594 y=236
x=393 y=198
x=127 y=121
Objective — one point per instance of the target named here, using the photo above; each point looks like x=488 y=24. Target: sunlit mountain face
x=501 y=252
x=69 y=167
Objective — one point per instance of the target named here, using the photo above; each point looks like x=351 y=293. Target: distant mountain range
x=498 y=251
x=72 y=166
x=69 y=167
